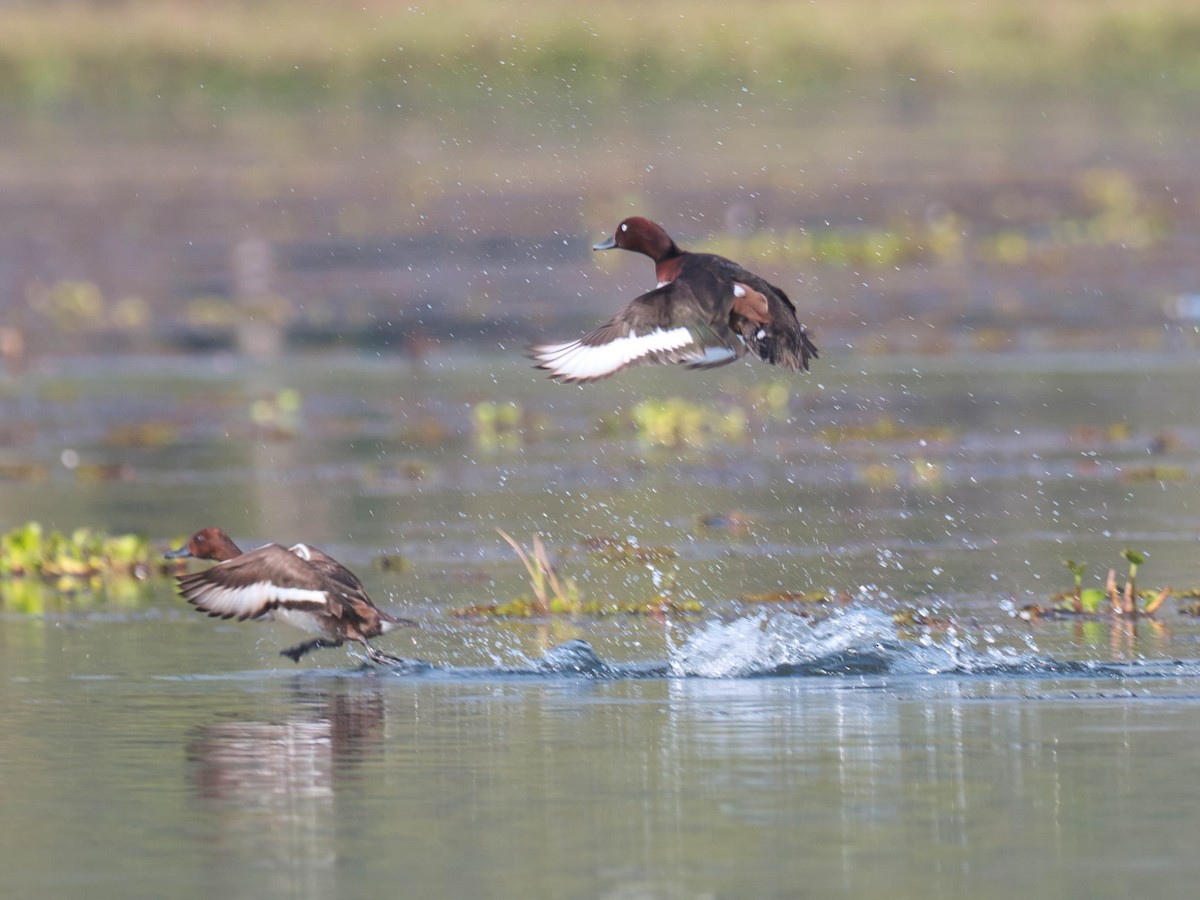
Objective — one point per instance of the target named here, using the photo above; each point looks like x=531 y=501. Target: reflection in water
x=272 y=786
x=931 y=775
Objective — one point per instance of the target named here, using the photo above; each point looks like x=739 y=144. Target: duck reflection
x=270 y=786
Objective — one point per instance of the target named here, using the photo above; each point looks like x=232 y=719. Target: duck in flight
x=298 y=585
x=706 y=311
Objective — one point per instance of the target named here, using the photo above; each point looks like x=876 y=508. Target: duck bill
x=182 y=553
x=609 y=244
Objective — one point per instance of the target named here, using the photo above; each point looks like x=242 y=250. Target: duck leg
x=383 y=659
x=294 y=653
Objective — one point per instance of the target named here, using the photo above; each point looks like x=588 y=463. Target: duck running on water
x=298 y=585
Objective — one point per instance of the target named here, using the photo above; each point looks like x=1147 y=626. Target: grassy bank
x=148 y=51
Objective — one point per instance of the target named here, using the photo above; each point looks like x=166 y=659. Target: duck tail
x=791 y=348
x=388 y=622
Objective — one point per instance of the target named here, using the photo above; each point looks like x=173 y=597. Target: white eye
x=624 y=227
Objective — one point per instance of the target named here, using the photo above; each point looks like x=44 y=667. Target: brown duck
x=706 y=311
x=298 y=585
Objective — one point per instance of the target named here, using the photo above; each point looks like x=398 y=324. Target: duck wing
x=253 y=584
x=666 y=325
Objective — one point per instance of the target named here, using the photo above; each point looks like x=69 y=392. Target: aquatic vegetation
x=279 y=416
x=799 y=596
x=1097 y=434
x=772 y=399
x=627 y=550
x=886 y=428
x=524 y=608
x=677 y=422
x=34 y=552
x=1125 y=601
x=391 y=562
x=862 y=247
x=662 y=604
x=142 y=435
x=1112 y=214
x=1189 y=604
x=72 y=305
x=550 y=594
x=917 y=472
x=912 y=619
x=497 y=426
x=426 y=431
x=1082 y=600
x=1154 y=473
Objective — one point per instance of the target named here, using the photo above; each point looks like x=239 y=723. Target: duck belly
x=299 y=618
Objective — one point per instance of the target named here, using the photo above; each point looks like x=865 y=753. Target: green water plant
x=497 y=426
x=30 y=550
x=1122 y=600
x=786 y=597
x=676 y=422
x=1082 y=600
x=279 y=416
x=550 y=593
x=1125 y=602
x=610 y=549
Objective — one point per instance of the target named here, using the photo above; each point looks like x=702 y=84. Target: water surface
x=751 y=750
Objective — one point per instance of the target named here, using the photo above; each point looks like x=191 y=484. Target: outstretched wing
x=253 y=584
x=665 y=325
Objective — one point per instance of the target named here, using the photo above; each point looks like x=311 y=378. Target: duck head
x=641 y=236
x=207 y=543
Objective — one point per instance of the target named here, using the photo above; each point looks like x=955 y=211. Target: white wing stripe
x=252 y=600
x=578 y=360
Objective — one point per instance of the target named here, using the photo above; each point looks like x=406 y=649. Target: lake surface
x=754 y=749
x=1004 y=293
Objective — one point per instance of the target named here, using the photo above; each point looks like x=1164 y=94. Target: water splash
x=861 y=641
x=858 y=641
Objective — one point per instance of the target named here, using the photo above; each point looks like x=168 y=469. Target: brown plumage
x=706 y=311
x=300 y=586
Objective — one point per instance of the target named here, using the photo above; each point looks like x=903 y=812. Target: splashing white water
x=855 y=641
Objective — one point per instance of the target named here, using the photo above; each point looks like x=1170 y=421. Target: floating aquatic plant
x=677 y=422
x=627 y=550
x=1125 y=601
x=1189 y=601
x=773 y=399
x=390 y=562
x=1154 y=473
x=551 y=594
x=885 y=428
x=279 y=416
x=497 y=425
x=911 y=619
x=31 y=550
x=805 y=597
